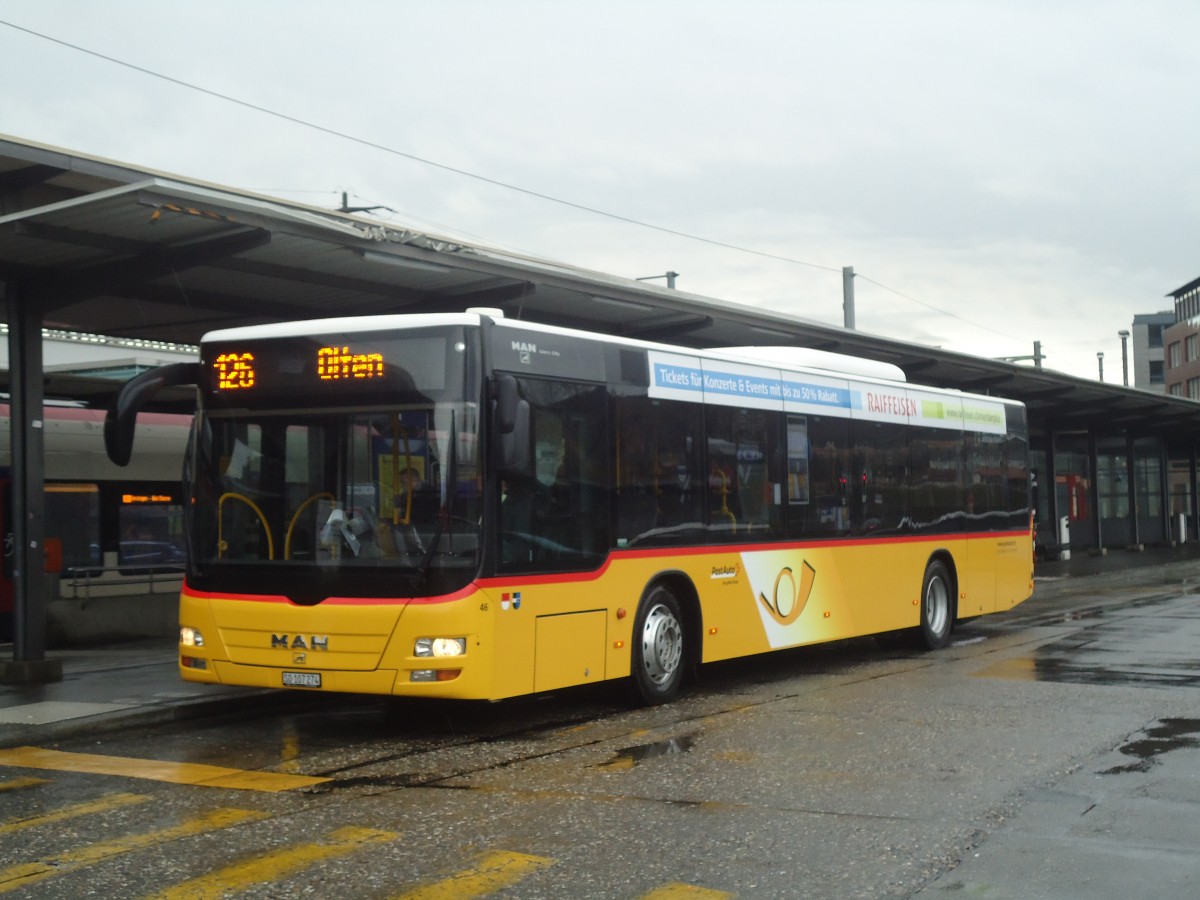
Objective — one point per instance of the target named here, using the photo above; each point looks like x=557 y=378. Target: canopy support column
x=27 y=491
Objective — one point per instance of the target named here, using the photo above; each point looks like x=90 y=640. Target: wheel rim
x=662 y=644
x=937 y=606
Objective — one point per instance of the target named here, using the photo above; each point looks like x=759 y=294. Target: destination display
x=239 y=371
x=331 y=366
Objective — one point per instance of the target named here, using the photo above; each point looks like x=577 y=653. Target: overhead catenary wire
x=484 y=179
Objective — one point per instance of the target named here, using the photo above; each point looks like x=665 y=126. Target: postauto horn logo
x=789 y=598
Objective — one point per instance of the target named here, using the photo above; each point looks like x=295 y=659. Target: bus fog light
x=190 y=637
x=440 y=647
x=423 y=675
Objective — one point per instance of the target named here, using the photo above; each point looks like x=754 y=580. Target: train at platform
x=104 y=525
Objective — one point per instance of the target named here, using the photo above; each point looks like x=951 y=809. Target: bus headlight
x=190 y=637
x=440 y=647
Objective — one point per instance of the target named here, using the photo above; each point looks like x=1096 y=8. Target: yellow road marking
x=686 y=892
x=155 y=770
x=494 y=871
x=275 y=865
x=16 y=784
x=101 y=804
x=24 y=874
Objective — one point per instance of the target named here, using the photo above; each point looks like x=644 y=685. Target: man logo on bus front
x=300 y=642
x=785 y=607
x=525 y=351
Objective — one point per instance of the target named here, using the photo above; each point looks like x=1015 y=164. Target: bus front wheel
x=937 y=615
x=658 y=647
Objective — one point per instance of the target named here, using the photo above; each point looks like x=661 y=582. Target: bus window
x=985 y=482
x=878 y=479
x=557 y=516
x=936 y=481
x=818 y=450
x=658 y=490
x=797 y=461
x=1016 y=468
x=243 y=527
x=741 y=495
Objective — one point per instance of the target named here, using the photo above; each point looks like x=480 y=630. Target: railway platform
x=129 y=683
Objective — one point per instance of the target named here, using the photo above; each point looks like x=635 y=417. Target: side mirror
x=510 y=419
x=133 y=396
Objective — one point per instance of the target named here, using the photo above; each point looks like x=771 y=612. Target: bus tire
x=937 y=613
x=659 y=647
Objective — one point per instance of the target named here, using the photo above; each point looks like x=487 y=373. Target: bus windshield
x=307 y=500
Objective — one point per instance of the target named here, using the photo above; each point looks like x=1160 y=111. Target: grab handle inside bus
x=511 y=422
x=132 y=397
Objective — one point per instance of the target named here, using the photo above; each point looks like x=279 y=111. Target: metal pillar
x=1164 y=490
x=1050 y=479
x=29 y=663
x=848 y=296
x=1124 y=336
x=1094 y=489
x=1192 y=489
x=1135 y=534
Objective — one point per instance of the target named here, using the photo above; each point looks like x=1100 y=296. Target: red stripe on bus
x=519 y=580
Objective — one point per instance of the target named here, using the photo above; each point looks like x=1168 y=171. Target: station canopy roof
x=107 y=248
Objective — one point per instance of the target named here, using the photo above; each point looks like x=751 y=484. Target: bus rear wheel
x=937 y=614
x=658 y=647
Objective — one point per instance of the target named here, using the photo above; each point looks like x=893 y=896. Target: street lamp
x=1124 y=336
x=670 y=276
x=1100 y=360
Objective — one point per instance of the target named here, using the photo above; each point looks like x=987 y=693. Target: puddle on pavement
x=631 y=756
x=1052 y=663
x=1163 y=737
x=1110 y=649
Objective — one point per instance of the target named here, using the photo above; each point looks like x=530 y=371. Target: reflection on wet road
x=1162 y=737
x=1125 y=646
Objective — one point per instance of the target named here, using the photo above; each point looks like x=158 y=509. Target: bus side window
x=558 y=519
x=879 y=478
x=826 y=510
x=638 y=488
x=936 y=480
x=659 y=489
x=741 y=493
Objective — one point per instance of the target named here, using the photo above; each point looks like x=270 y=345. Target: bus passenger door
x=818 y=476
x=556 y=517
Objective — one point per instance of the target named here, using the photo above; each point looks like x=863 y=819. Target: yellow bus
x=466 y=506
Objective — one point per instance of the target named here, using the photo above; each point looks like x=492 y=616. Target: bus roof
x=792 y=358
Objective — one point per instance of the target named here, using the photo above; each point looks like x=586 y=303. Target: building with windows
x=1149 y=357
x=1182 y=343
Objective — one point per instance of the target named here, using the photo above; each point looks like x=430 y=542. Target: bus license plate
x=302 y=679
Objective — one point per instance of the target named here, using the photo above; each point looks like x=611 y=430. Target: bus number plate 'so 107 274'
x=302 y=679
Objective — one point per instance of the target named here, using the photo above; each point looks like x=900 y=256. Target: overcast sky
x=996 y=172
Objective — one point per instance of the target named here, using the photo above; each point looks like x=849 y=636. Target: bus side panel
x=513 y=612
x=543 y=632
x=977 y=577
x=1014 y=569
x=808 y=595
x=756 y=600
x=995 y=574
x=751 y=601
